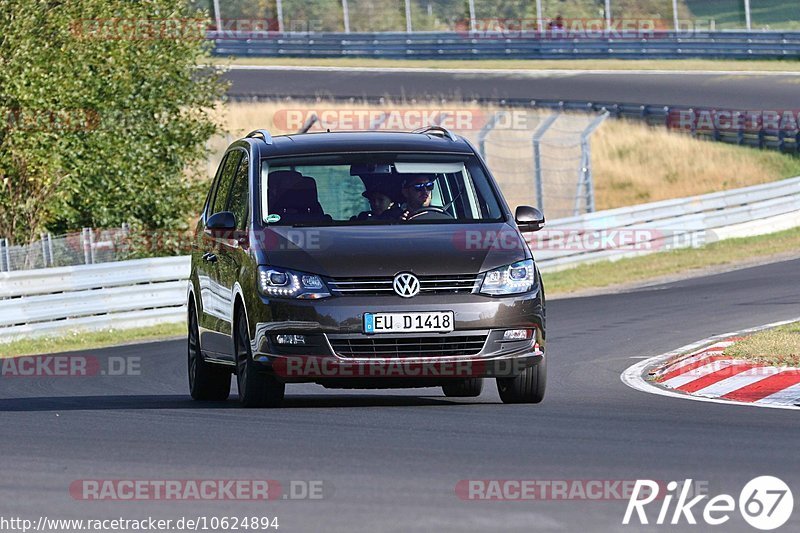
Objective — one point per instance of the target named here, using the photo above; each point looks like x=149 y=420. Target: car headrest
x=290 y=190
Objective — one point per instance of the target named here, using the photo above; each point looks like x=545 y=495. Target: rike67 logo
x=765 y=503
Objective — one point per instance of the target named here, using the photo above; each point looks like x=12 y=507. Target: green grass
x=729 y=14
x=658 y=265
x=87 y=340
x=523 y=64
x=776 y=347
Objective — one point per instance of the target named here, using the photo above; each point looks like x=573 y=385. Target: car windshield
x=353 y=189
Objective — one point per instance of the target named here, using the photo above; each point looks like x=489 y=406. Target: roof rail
x=264 y=134
x=437 y=129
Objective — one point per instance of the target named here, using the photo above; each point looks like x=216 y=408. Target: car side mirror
x=529 y=218
x=221 y=224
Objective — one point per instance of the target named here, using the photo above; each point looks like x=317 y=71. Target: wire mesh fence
x=87 y=247
x=543 y=160
x=481 y=15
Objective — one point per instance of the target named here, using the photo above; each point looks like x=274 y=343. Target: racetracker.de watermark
x=583 y=239
x=557 y=489
x=734 y=120
x=577 y=29
x=186 y=28
x=403 y=118
x=69 y=366
x=198 y=489
x=139 y=29
x=50 y=119
x=396 y=367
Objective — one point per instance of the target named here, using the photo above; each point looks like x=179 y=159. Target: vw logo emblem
x=406 y=284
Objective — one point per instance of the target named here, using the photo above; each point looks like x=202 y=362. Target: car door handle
x=211 y=258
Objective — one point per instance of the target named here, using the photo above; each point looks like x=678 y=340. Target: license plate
x=439 y=321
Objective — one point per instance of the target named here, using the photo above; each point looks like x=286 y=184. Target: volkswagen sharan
x=362 y=260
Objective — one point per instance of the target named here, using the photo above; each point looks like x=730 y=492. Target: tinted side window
x=238 y=198
x=224 y=185
x=213 y=189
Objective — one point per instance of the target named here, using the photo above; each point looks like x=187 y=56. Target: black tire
x=256 y=387
x=527 y=387
x=463 y=388
x=207 y=382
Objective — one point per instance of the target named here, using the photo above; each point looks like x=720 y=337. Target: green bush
x=105 y=114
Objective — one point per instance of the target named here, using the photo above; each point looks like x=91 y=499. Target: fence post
x=747 y=14
x=675 y=15
x=346 y=16
x=43 y=242
x=408 y=16
x=91 y=244
x=217 y=16
x=486 y=130
x=310 y=121
x=439 y=118
x=50 y=249
x=537 y=157
x=539 y=17
x=86 y=245
x=3 y=257
x=376 y=123
x=472 y=20
x=279 y=9
x=586 y=180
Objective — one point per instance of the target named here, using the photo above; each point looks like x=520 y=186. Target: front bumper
x=323 y=321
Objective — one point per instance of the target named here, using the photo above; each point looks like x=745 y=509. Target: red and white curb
x=705 y=374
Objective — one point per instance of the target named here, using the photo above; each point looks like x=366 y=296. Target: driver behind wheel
x=416 y=191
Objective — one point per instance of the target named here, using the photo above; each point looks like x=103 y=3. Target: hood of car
x=383 y=251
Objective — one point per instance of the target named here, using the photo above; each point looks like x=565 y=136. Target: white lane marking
x=738 y=381
x=633 y=376
x=516 y=72
x=782 y=397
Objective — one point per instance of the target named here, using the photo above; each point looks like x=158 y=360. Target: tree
x=105 y=114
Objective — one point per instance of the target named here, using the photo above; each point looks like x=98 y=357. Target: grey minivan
x=362 y=260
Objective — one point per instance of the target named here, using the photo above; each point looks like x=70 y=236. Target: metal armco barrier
x=143 y=292
x=524 y=45
x=667 y=225
x=122 y=294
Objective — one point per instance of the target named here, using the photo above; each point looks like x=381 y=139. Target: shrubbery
x=100 y=128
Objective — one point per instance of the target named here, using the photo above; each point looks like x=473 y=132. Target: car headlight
x=511 y=279
x=283 y=283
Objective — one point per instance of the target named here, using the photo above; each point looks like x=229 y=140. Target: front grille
x=407 y=346
x=449 y=284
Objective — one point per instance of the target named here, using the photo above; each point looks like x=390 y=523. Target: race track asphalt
x=735 y=91
x=390 y=461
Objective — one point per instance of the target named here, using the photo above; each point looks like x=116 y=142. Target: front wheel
x=206 y=381
x=527 y=387
x=256 y=388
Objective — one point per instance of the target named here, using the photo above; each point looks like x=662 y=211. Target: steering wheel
x=430 y=212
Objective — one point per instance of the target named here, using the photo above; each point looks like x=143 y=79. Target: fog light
x=290 y=339
x=517 y=335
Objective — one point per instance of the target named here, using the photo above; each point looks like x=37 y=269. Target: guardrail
x=149 y=291
x=667 y=225
x=123 y=294
x=522 y=45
